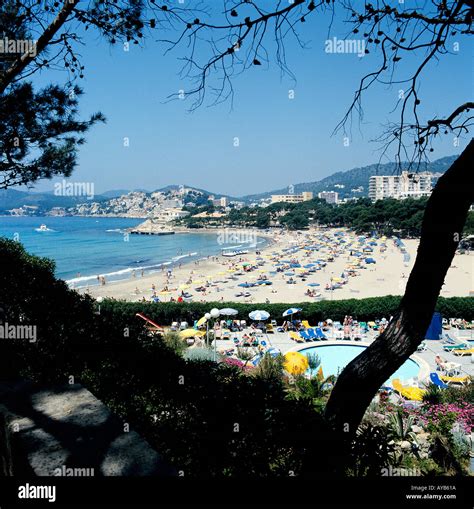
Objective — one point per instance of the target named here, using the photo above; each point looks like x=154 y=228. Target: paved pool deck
x=425 y=359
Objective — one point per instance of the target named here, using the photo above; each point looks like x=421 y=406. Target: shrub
x=433 y=395
x=363 y=309
x=174 y=341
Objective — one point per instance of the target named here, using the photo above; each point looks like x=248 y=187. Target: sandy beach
x=319 y=260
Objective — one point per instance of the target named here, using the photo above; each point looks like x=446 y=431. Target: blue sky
x=282 y=141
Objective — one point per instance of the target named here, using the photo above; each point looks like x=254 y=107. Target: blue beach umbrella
x=291 y=311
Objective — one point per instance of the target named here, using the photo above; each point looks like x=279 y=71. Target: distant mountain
x=351 y=183
x=13 y=199
x=354 y=179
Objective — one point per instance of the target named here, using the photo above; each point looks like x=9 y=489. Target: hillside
x=353 y=179
x=140 y=203
x=13 y=199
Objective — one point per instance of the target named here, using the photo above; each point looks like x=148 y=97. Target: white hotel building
x=405 y=185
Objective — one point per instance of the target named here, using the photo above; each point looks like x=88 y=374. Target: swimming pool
x=335 y=357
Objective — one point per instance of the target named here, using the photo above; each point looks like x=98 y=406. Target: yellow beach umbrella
x=295 y=363
x=164 y=292
x=191 y=333
x=201 y=321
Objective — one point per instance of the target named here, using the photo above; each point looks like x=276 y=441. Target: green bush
x=372 y=308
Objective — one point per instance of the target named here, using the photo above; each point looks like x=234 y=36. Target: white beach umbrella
x=259 y=315
x=228 y=312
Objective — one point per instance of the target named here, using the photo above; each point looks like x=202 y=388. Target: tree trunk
x=443 y=222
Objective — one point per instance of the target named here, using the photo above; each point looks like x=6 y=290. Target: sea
x=85 y=247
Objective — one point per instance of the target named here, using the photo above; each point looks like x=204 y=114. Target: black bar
x=381 y=492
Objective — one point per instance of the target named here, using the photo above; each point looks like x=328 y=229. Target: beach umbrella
x=289 y=273
x=291 y=311
x=228 y=312
x=191 y=333
x=259 y=315
x=164 y=292
x=309 y=265
x=201 y=321
x=295 y=363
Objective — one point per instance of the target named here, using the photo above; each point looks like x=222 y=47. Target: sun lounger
x=434 y=378
x=469 y=351
x=449 y=339
x=295 y=337
x=305 y=324
x=305 y=336
x=459 y=346
x=320 y=334
x=312 y=334
x=463 y=380
x=411 y=393
x=269 y=328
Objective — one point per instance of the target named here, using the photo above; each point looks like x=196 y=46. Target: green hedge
x=361 y=309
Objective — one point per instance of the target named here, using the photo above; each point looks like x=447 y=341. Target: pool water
x=335 y=357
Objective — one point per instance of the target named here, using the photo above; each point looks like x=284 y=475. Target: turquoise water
x=84 y=247
x=335 y=357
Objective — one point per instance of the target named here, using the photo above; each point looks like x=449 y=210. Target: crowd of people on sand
x=296 y=261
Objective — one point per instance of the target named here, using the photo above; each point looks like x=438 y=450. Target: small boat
x=43 y=228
